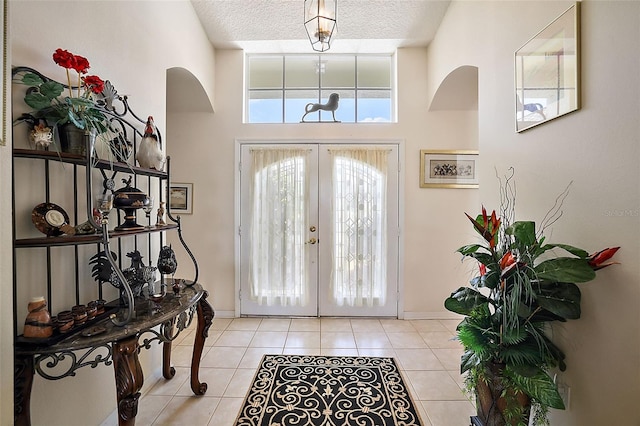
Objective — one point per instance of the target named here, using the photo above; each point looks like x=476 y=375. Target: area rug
x=329 y=391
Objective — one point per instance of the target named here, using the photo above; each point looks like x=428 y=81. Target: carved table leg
x=23 y=381
x=129 y=379
x=167 y=370
x=205 y=317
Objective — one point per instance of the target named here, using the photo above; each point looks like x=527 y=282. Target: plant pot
x=74 y=140
x=492 y=399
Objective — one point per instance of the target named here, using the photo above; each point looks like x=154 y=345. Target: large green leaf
x=51 y=89
x=464 y=300
x=540 y=386
x=565 y=269
x=37 y=101
x=562 y=299
x=524 y=232
x=571 y=249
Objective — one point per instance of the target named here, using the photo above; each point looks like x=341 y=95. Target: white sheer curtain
x=359 y=193
x=278 y=227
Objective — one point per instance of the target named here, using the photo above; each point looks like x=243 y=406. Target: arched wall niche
x=458 y=91
x=185 y=93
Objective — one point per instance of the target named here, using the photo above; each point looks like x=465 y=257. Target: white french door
x=319 y=230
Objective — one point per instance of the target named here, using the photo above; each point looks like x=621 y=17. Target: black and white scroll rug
x=327 y=390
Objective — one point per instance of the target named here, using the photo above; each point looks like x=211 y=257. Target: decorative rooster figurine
x=149 y=154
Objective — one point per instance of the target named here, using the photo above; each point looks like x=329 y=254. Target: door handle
x=311 y=241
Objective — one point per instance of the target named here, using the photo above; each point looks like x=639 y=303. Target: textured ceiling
x=276 y=26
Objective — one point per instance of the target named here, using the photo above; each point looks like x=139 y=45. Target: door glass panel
x=358 y=275
x=279 y=222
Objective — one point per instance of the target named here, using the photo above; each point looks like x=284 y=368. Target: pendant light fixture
x=320 y=22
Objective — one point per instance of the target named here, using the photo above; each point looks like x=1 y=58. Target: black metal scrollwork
x=46 y=364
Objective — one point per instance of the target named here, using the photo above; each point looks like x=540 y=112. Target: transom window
x=279 y=87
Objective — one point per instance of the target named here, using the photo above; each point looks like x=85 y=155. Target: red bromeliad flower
x=596 y=260
x=483 y=269
x=488 y=228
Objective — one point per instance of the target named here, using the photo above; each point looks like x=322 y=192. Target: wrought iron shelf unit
x=118 y=341
x=70 y=240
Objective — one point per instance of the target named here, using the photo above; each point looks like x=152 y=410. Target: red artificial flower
x=94 y=83
x=507 y=260
x=64 y=58
x=80 y=64
x=483 y=269
x=596 y=260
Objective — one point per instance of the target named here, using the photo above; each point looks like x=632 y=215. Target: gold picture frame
x=449 y=169
x=547 y=71
x=181 y=198
x=4 y=54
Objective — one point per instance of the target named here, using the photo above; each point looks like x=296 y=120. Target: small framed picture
x=448 y=169
x=181 y=198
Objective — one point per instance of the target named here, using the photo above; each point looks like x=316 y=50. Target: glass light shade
x=320 y=22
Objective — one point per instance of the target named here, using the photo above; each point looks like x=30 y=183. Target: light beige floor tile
x=450 y=358
x=192 y=411
x=245 y=324
x=235 y=338
x=252 y=356
x=418 y=359
x=220 y=324
x=451 y=325
x=303 y=339
x=335 y=324
x=362 y=325
x=275 y=324
x=268 y=338
x=372 y=339
x=226 y=412
x=435 y=386
x=388 y=353
x=181 y=355
x=151 y=409
x=339 y=352
x=440 y=339
x=406 y=340
x=186 y=337
x=337 y=339
x=301 y=351
x=240 y=383
x=170 y=387
x=223 y=357
x=397 y=326
x=424 y=418
x=428 y=325
x=449 y=413
x=217 y=380
x=305 y=324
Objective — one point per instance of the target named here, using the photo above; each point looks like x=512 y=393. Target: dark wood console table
x=118 y=346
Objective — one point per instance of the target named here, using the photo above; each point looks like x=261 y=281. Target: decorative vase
x=38 y=321
x=72 y=139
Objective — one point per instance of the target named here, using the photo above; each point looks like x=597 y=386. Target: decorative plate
x=48 y=218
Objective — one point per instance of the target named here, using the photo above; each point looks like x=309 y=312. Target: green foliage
x=508 y=305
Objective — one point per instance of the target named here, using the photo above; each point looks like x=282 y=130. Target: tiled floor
x=424 y=350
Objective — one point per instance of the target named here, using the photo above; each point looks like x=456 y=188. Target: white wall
x=596 y=148
x=209 y=164
x=132 y=44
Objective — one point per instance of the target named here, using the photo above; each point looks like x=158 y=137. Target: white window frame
x=393 y=82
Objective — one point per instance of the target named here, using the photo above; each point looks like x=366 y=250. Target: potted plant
x=522 y=286
x=69 y=110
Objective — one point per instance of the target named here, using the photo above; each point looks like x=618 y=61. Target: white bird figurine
x=149 y=154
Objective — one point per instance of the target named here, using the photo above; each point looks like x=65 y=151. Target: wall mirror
x=548 y=72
